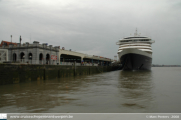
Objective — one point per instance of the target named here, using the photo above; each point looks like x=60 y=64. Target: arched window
x=22 y=55
x=14 y=56
x=41 y=56
x=30 y=56
x=47 y=59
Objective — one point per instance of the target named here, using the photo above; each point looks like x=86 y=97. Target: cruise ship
x=135 y=53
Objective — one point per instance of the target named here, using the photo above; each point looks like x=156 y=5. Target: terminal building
x=46 y=54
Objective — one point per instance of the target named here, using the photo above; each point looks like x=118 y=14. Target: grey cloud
x=94 y=27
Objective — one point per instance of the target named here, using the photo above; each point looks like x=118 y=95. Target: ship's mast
x=135 y=34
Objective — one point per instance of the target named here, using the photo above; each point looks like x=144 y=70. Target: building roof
x=7 y=43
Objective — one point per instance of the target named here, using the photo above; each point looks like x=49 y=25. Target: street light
x=11 y=38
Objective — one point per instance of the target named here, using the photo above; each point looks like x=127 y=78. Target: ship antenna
x=135 y=34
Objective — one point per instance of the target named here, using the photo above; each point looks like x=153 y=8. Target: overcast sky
x=94 y=26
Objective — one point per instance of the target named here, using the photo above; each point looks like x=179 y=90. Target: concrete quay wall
x=11 y=74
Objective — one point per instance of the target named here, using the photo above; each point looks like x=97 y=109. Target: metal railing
x=26 y=61
x=78 y=64
x=42 y=62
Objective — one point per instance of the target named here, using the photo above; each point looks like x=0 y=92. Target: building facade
x=3 y=55
x=33 y=53
x=43 y=54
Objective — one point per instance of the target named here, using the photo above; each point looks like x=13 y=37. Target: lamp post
x=11 y=38
x=20 y=39
x=11 y=43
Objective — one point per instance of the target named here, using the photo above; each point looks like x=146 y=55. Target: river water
x=155 y=91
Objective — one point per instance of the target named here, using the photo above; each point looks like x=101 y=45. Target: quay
x=19 y=73
x=32 y=62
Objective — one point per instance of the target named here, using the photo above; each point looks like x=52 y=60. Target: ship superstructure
x=135 y=53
